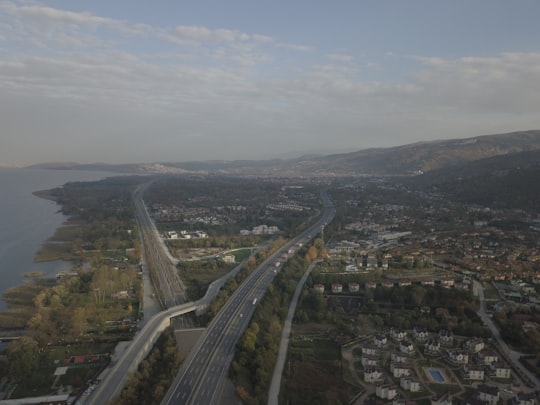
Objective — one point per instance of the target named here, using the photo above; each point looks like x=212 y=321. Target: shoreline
x=46 y=194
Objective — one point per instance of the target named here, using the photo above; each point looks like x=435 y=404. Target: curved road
x=512 y=355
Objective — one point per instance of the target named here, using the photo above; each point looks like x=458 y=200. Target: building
x=472 y=372
x=446 y=337
x=523 y=398
x=229 y=259
x=410 y=384
x=354 y=287
x=398 y=357
x=371 y=262
x=373 y=374
x=458 y=356
x=500 y=370
x=319 y=288
x=399 y=370
x=337 y=288
x=488 y=393
x=432 y=346
x=371 y=284
x=370 y=349
x=386 y=391
x=351 y=268
x=487 y=357
x=420 y=334
x=370 y=360
x=398 y=334
x=475 y=345
x=406 y=347
x=380 y=340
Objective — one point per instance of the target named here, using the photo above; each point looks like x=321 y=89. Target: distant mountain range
x=436 y=159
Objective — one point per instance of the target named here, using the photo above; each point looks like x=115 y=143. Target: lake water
x=27 y=221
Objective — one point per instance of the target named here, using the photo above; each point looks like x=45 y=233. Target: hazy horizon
x=131 y=82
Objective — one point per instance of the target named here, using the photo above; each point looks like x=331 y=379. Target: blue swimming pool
x=437 y=375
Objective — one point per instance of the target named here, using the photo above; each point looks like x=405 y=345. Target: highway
x=209 y=360
x=202 y=376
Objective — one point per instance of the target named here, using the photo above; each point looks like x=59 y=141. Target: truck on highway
x=254 y=301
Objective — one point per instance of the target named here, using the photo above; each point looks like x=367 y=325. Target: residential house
x=446 y=337
x=399 y=370
x=475 y=345
x=473 y=372
x=370 y=360
x=229 y=259
x=370 y=349
x=488 y=393
x=410 y=384
x=380 y=340
x=387 y=284
x=319 y=288
x=351 y=268
x=371 y=284
x=404 y=282
x=337 y=288
x=406 y=346
x=373 y=374
x=354 y=287
x=398 y=357
x=447 y=282
x=420 y=334
x=458 y=356
x=371 y=262
x=487 y=356
x=432 y=346
x=523 y=398
x=386 y=391
x=398 y=334
x=500 y=370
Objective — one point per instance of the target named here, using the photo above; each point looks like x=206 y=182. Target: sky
x=171 y=81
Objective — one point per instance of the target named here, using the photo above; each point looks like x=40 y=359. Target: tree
x=23 y=357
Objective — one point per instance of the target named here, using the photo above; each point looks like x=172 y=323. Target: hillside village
x=394 y=238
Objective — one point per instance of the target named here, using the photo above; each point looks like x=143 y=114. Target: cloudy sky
x=144 y=81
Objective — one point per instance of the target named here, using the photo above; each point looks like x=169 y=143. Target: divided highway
x=204 y=372
x=201 y=378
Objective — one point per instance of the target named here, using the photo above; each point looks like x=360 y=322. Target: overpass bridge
x=115 y=376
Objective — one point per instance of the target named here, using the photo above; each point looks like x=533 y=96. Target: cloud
x=505 y=83
x=48 y=15
x=340 y=57
x=129 y=80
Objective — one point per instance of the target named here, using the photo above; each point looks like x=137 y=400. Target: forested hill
x=411 y=159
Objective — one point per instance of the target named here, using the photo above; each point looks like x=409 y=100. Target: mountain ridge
x=404 y=160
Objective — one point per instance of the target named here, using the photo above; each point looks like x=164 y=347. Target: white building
x=410 y=384
x=386 y=391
